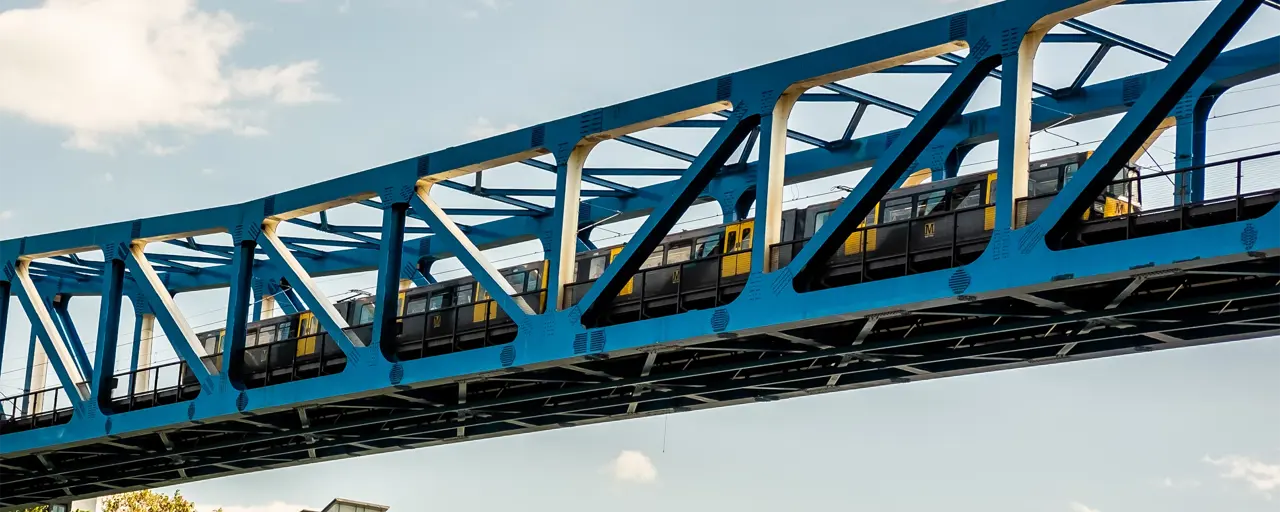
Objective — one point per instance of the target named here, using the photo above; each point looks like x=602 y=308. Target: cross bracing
x=1073 y=280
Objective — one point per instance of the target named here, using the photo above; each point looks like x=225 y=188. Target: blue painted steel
x=108 y=330
x=656 y=148
x=752 y=94
x=921 y=69
x=1190 y=135
x=31 y=365
x=1118 y=40
x=167 y=315
x=70 y=336
x=4 y=318
x=944 y=104
x=1147 y=113
x=538 y=164
x=863 y=97
x=999 y=75
x=238 y=293
x=385 y=298
x=1088 y=69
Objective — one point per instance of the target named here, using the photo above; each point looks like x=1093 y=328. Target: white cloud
x=275 y=506
x=110 y=70
x=471 y=14
x=250 y=131
x=633 y=466
x=1079 y=507
x=1260 y=475
x=1170 y=483
x=6 y=214
x=483 y=128
x=161 y=150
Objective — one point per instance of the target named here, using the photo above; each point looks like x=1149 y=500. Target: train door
x=853 y=244
x=626 y=289
x=737 y=238
x=541 y=279
x=308 y=326
x=222 y=338
x=732 y=243
x=484 y=306
x=989 y=215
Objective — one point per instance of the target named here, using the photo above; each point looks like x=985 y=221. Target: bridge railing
x=34 y=409
x=1152 y=203
x=155 y=385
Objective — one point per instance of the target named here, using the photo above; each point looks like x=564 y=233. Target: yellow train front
x=916 y=228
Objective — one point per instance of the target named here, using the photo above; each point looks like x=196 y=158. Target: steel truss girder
x=1232 y=68
x=772 y=307
x=561 y=401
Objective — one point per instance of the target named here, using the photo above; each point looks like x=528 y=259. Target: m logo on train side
x=929 y=230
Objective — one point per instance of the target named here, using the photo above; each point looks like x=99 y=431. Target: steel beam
x=945 y=103
x=316 y=302
x=1147 y=113
x=181 y=337
x=385 y=308
x=108 y=328
x=1118 y=40
x=663 y=217
x=562 y=247
x=67 y=328
x=481 y=269
x=238 y=304
x=43 y=327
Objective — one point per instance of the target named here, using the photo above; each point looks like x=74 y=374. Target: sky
x=118 y=109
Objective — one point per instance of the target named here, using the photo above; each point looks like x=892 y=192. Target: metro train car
x=915 y=228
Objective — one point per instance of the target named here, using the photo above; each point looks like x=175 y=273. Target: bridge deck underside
x=1210 y=303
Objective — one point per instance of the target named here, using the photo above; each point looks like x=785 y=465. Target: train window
x=730 y=243
x=931 y=203
x=746 y=239
x=533 y=280
x=967 y=195
x=211 y=344
x=897 y=209
x=678 y=254
x=1068 y=171
x=285 y=331
x=1042 y=181
x=597 y=267
x=462 y=296
x=267 y=336
x=654 y=259
x=437 y=301
x=416 y=306
x=1121 y=189
x=820 y=219
x=366 y=314
x=516 y=280
x=709 y=246
x=251 y=338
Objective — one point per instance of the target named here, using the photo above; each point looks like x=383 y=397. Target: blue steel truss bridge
x=914 y=270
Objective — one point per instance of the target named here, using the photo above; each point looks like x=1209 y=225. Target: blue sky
x=116 y=109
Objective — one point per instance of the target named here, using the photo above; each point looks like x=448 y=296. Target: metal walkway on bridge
x=919 y=272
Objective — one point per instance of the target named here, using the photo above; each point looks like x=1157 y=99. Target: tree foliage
x=140 y=501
